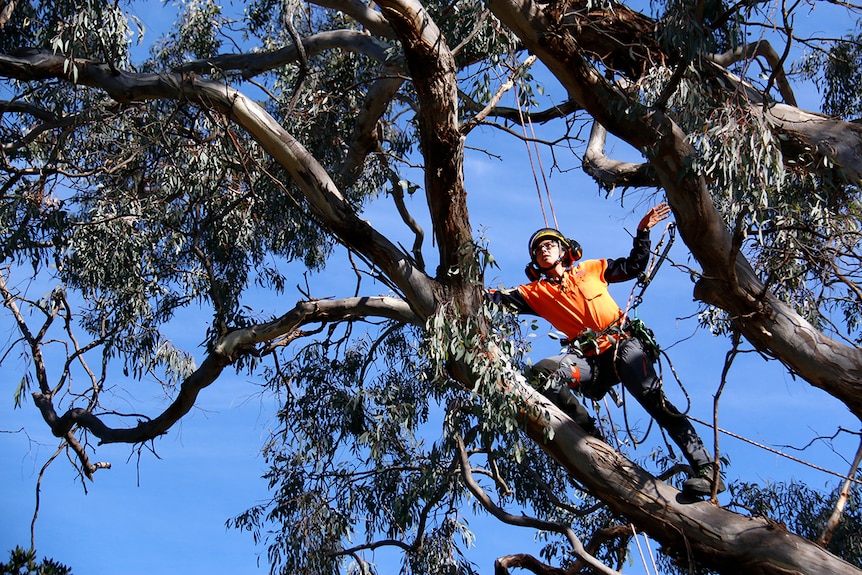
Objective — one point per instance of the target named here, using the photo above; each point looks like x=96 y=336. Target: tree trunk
x=718 y=539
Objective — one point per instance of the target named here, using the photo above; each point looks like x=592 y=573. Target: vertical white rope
x=530 y=154
x=640 y=550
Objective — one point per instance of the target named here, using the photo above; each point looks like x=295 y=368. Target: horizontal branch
x=765 y=50
x=609 y=173
x=226 y=351
x=252 y=64
x=305 y=312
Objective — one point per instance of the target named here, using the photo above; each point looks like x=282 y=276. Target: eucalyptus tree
x=248 y=141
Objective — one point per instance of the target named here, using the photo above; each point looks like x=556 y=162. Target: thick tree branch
x=433 y=71
x=514 y=115
x=237 y=342
x=610 y=174
x=324 y=198
x=807 y=138
x=377 y=101
x=727 y=542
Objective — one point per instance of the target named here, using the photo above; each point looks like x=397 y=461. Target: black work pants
x=629 y=364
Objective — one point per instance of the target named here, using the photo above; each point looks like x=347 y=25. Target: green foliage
x=684 y=33
x=837 y=73
x=23 y=562
x=792 y=224
x=94 y=29
x=349 y=464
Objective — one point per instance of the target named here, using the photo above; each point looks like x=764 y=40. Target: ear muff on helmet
x=574 y=252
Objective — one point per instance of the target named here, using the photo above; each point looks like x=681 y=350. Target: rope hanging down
x=541 y=170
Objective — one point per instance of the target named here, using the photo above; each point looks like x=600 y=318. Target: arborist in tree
x=604 y=347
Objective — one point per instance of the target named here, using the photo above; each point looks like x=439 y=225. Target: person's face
x=547 y=253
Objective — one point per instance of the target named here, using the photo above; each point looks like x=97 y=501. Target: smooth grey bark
x=717 y=538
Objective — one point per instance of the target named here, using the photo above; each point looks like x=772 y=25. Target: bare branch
x=364 y=140
x=538 y=117
x=489 y=107
x=257 y=63
x=397 y=191
x=523 y=520
x=230 y=348
x=764 y=50
x=307 y=312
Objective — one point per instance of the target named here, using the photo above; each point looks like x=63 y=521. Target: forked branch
x=226 y=351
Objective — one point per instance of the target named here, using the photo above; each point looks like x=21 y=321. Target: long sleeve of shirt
x=510 y=298
x=624 y=269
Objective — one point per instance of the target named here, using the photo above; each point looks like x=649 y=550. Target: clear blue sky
x=167 y=514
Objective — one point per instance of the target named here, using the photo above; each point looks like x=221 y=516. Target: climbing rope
x=777 y=452
x=541 y=170
x=635 y=534
x=646 y=278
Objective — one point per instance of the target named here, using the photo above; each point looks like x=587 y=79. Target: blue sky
x=167 y=514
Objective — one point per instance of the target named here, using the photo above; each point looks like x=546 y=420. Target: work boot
x=701 y=482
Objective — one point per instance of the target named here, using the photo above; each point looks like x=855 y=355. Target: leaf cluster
x=23 y=562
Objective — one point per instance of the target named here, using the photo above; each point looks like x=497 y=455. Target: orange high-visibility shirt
x=580 y=301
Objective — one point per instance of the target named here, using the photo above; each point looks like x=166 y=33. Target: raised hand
x=654 y=216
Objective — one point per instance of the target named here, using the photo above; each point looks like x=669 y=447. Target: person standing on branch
x=604 y=347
